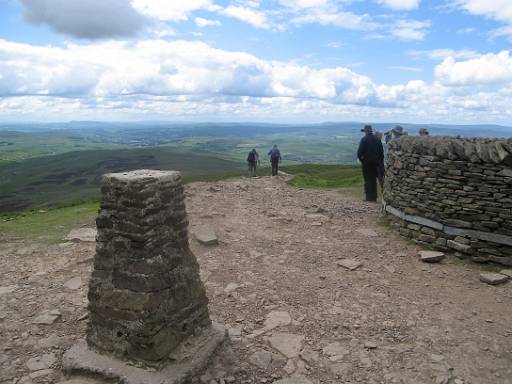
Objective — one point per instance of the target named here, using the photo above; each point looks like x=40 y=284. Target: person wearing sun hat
x=370 y=153
x=397 y=132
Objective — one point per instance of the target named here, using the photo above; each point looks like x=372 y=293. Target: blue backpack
x=274 y=153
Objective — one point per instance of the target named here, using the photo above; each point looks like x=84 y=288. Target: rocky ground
x=311 y=288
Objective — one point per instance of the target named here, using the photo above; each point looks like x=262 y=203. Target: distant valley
x=59 y=163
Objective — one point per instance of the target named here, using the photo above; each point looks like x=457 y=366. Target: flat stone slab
x=47 y=317
x=493 y=278
x=293 y=380
x=190 y=360
x=7 y=289
x=41 y=362
x=431 y=256
x=506 y=272
x=350 y=264
x=288 y=344
x=87 y=235
x=367 y=232
x=277 y=319
x=83 y=380
x=74 y=283
x=261 y=359
x=206 y=236
x=335 y=351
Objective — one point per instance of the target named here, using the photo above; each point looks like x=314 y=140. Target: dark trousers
x=275 y=166
x=252 y=168
x=370 y=180
x=380 y=175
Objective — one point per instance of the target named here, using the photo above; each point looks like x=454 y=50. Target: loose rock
x=350 y=264
x=82 y=234
x=506 y=272
x=7 y=289
x=47 y=318
x=286 y=343
x=277 y=319
x=206 y=236
x=261 y=359
x=493 y=278
x=41 y=362
x=293 y=380
x=431 y=256
x=367 y=232
x=74 y=283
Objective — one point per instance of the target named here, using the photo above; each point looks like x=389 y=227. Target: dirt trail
x=292 y=311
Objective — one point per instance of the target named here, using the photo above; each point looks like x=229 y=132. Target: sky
x=415 y=61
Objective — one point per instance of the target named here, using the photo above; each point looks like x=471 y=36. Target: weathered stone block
x=431 y=256
x=145 y=295
x=493 y=278
x=428 y=231
x=458 y=246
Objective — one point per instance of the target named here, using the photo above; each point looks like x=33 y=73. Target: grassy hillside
x=75 y=176
x=15 y=146
x=325 y=176
x=299 y=144
x=49 y=225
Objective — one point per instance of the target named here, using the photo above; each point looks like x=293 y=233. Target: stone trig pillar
x=146 y=300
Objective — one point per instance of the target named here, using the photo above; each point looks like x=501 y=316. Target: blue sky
x=277 y=60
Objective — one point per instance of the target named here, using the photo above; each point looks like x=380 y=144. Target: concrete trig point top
x=145 y=294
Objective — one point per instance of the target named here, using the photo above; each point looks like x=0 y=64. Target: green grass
x=49 y=225
x=65 y=178
x=16 y=146
x=325 y=176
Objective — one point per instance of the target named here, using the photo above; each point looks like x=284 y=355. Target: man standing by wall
x=370 y=153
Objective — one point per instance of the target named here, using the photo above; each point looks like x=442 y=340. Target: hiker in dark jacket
x=370 y=153
x=275 y=157
x=253 y=158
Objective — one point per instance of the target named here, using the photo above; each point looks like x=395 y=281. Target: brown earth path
x=292 y=311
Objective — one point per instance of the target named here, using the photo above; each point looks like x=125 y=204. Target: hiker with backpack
x=253 y=158
x=275 y=157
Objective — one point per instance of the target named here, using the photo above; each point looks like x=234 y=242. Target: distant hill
x=109 y=130
x=73 y=176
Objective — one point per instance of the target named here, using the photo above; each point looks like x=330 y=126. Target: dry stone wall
x=452 y=193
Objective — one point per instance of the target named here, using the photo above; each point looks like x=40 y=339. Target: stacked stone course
x=145 y=295
x=452 y=193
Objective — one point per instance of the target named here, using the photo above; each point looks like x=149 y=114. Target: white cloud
x=88 y=19
x=175 y=79
x=495 y=9
x=505 y=31
x=499 y=10
x=334 y=44
x=304 y=4
x=340 y=19
x=442 y=53
x=487 y=70
x=172 y=10
x=248 y=15
x=410 y=29
x=163 y=68
x=400 y=4
x=406 y=69
x=200 y=22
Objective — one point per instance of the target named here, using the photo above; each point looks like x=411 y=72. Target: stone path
x=277 y=279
